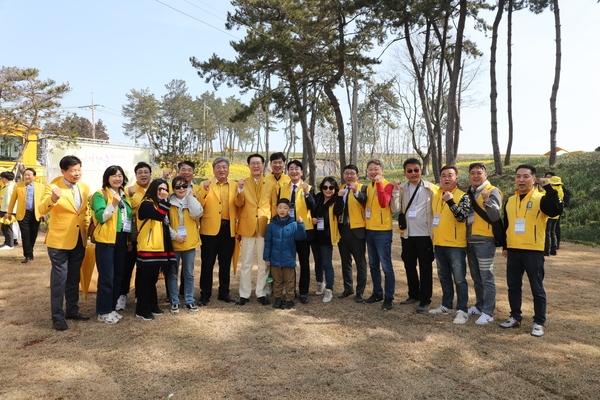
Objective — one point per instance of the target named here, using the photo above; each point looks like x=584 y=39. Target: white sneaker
x=538 y=330
x=108 y=318
x=174 y=308
x=441 y=310
x=474 y=311
x=328 y=296
x=6 y=248
x=121 y=302
x=484 y=319
x=461 y=317
x=320 y=288
x=510 y=323
x=117 y=315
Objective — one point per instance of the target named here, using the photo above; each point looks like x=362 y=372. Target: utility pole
x=93 y=107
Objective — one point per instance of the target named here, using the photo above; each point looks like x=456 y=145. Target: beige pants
x=251 y=251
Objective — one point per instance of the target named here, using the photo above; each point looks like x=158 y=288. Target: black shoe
x=374 y=298
x=226 y=298
x=278 y=303
x=289 y=304
x=410 y=300
x=552 y=252
x=241 y=301
x=546 y=253
x=77 y=317
x=422 y=309
x=263 y=300
x=359 y=298
x=158 y=312
x=303 y=298
x=346 y=293
x=60 y=325
x=26 y=260
x=16 y=242
x=202 y=303
x=387 y=304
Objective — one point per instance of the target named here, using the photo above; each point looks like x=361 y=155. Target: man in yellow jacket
x=27 y=195
x=451 y=208
x=217 y=230
x=65 y=200
x=525 y=216
x=256 y=201
x=277 y=175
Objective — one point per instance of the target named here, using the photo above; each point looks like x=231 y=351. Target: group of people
x=158 y=225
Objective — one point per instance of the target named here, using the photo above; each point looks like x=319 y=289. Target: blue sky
x=110 y=47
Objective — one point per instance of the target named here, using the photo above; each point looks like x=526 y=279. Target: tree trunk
x=509 y=83
x=454 y=78
x=554 y=122
x=494 y=90
x=339 y=120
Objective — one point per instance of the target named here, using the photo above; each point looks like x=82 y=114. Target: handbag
x=402 y=223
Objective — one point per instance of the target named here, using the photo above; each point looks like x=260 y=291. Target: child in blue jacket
x=280 y=253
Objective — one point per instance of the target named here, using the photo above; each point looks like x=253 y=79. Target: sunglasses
x=325 y=187
x=410 y=171
x=182 y=186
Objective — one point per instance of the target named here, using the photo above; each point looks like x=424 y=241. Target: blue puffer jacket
x=280 y=241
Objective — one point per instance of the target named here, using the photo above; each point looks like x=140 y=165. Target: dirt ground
x=336 y=350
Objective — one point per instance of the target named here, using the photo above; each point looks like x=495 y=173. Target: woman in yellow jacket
x=326 y=234
x=155 y=250
x=184 y=215
x=111 y=212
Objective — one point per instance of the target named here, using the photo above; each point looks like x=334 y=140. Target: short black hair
x=527 y=166
x=68 y=161
x=283 y=201
x=352 y=167
x=277 y=156
x=8 y=175
x=110 y=171
x=411 y=161
x=32 y=171
x=298 y=163
x=186 y=162
x=251 y=156
x=142 y=164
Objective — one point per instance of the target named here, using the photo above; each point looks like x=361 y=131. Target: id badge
x=181 y=231
x=412 y=213
x=368 y=213
x=320 y=224
x=436 y=220
x=127 y=226
x=293 y=213
x=520 y=225
x=470 y=218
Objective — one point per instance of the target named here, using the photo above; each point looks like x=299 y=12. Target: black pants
x=147 y=298
x=29 y=231
x=350 y=245
x=130 y=259
x=418 y=249
x=220 y=246
x=9 y=236
x=303 y=251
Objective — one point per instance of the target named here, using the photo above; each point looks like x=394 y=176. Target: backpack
x=567 y=197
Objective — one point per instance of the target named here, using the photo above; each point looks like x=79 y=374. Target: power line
x=197 y=19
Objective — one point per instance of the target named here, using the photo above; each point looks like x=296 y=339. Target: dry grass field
x=315 y=351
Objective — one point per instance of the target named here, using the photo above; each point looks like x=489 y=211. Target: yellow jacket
x=192 y=239
x=480 y=227
x=210 y=200
x=256 y=205
x=334 y=230
x=528 y=209
x=19 y=196
x=150 y=233
x=301 y=208
x=356 y=210
x=449 y=232
x=65 y=220
x=283 y=180
x=106 y=232
x=381 y=217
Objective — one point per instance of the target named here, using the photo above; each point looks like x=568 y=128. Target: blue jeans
x=451 y=264
x=532 y=262
x=323 y=253
x=481 y=266
x=110 y=261
x=187 y=269
x=379 y=248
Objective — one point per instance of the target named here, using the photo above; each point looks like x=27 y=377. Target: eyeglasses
x=162 y=189
x=325 y=187
x=410 y=171
x=182 y=186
